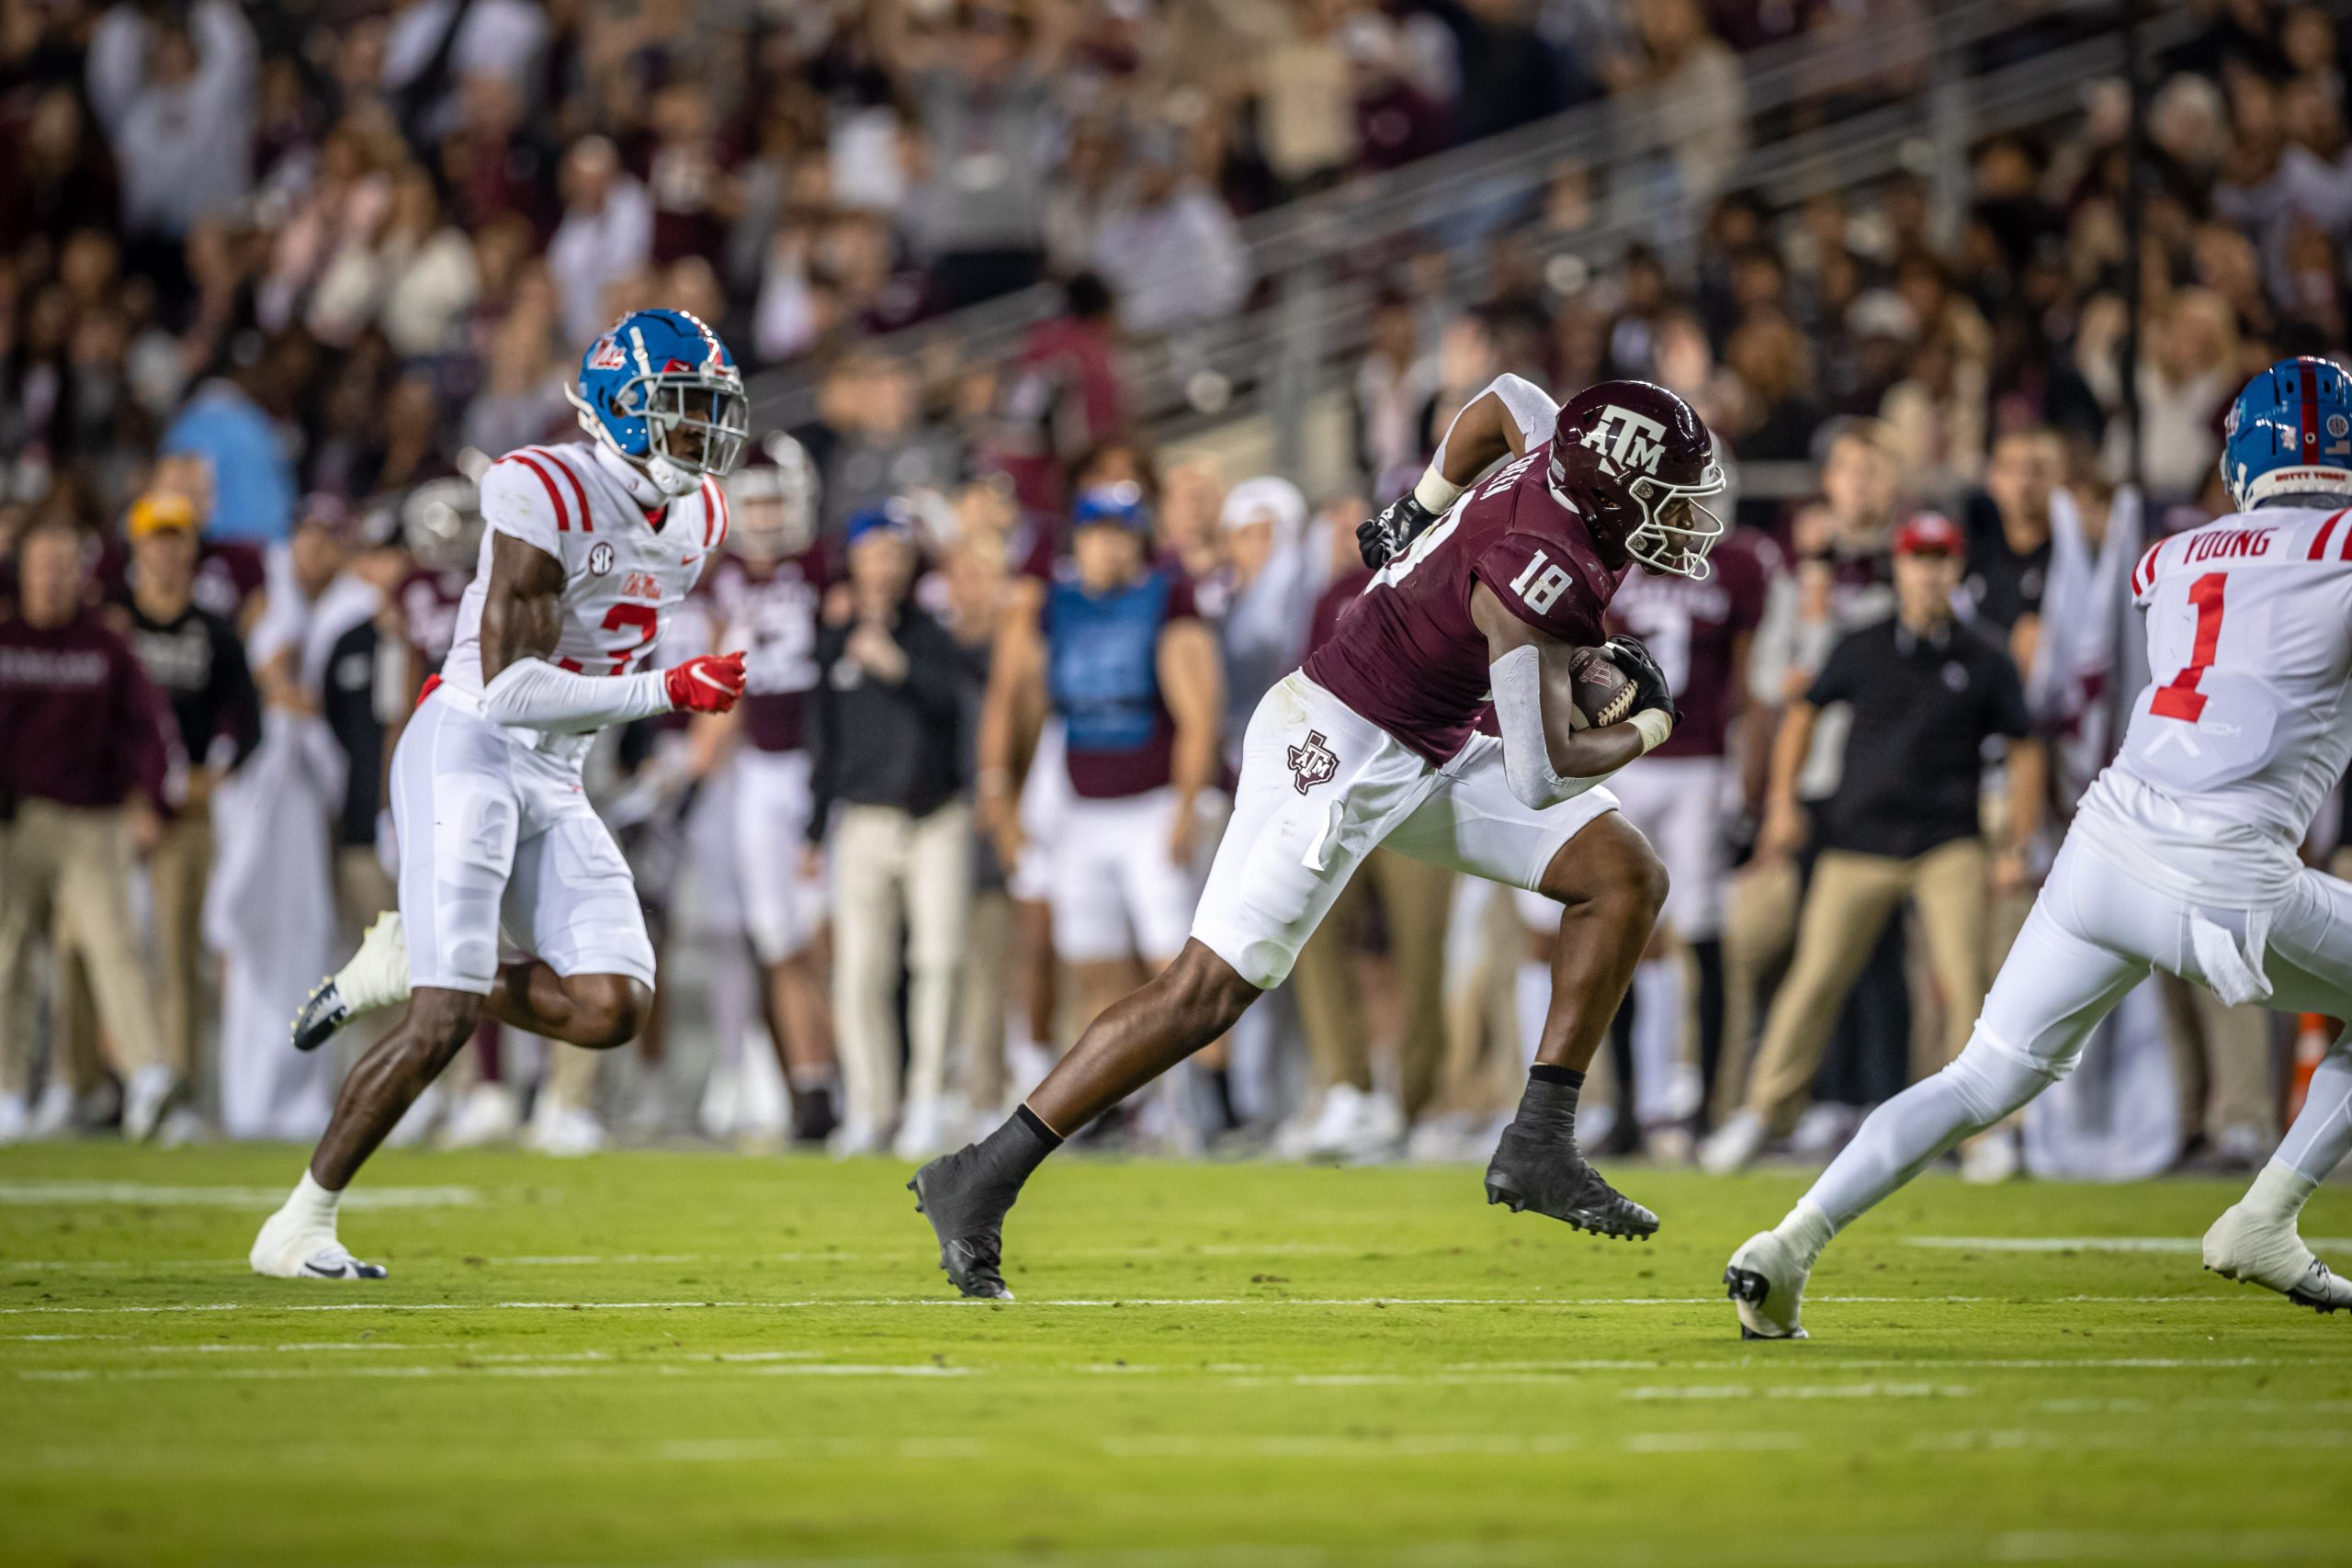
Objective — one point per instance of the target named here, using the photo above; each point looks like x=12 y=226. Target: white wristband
x=1436 y=491
x=1655 y=724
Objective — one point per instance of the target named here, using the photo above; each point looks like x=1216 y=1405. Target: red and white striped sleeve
x=2143 y=575
x=714 y=514
x=524 y=495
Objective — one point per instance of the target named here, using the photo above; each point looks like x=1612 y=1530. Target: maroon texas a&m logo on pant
x=1314 y=763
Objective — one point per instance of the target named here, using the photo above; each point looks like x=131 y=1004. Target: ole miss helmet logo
x=607 y=355
x=1314 y=763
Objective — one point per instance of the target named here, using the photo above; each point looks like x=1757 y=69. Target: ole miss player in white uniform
x=2182 y=857
x=766 y=596
x=591 y=548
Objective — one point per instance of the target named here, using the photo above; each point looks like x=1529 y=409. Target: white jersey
x=623 y=576
x=2244 y=728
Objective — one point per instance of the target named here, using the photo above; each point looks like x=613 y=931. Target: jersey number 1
x=2179 y=698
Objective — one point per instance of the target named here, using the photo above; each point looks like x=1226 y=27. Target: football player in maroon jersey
x=1501 y=582
x=766 y=594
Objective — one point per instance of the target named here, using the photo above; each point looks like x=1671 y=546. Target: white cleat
x=1991 y=1158
x=151 y=1092
x=1733 y=1147
x=289 y=1249
x=568 y=1131
x=16 y=1119
x=2253 y=1250
x=856 y=1136
x=923 y=1133
x=1767 y=1285
x=486 y=1115
x=376 y=976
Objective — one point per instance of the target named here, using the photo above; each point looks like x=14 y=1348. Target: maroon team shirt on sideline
x=1409 y=657
x=771 y=612
x=1692 y=628
x=84 y=723
x=428 y=601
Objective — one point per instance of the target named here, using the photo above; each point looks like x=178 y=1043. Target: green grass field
x=654 y=1359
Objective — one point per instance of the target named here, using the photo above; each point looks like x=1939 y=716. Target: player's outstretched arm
x=522 y=616
x=1501 y=422
x=1546 y=759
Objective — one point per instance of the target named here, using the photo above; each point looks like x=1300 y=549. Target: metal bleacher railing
x=1834 y=112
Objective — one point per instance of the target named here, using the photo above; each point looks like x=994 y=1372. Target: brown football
x=1605 y=693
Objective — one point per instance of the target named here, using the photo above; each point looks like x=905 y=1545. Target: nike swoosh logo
x=333 y=1273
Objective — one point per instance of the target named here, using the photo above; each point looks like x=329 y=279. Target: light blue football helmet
x=661 y=391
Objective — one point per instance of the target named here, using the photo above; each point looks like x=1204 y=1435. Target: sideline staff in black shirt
x=1927 y=695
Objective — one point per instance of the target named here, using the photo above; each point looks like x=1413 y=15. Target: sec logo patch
x=599 y=559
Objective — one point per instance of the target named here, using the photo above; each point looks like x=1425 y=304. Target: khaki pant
x=2221 y=1061
x=891 y=871
x=1847 y=907
x=987 y=994
x=176 y=874
x=1415 y=897
x=1759 y=929
x=71 y=864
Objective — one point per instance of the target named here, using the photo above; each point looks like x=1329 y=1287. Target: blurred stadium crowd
x=278 y=280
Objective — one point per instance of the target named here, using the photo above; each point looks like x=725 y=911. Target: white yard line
x=262 y=1199
x=1090 y=1303
x=2095 y=1243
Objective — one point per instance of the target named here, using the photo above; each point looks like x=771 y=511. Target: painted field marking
x=262 y=1198
x=2095 y=1243
x=1104 y=1303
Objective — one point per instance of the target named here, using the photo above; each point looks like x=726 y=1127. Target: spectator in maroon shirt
x=85 y=731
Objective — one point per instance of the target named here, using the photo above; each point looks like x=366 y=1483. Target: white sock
x=2278 y=1193
x=1807 y=1229
x=2322 y=1135
x=1532 y=1000
x=313 y=1202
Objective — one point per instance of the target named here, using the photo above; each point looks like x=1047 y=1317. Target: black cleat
x=324 y=1013
x=1550 y=1179
x=813 y=1117
x=967 y=1210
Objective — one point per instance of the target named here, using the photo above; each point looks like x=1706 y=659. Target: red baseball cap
x=1929 y=534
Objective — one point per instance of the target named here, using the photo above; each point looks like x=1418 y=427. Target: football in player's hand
x=1605 y=693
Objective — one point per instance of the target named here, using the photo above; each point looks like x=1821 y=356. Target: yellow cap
x=160 y=509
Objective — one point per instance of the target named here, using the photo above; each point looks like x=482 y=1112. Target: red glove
x=707 y=684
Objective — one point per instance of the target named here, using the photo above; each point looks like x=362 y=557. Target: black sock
x=1018 y=1148
x=1548 y=1107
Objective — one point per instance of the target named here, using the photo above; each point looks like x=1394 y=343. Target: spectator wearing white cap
x=1269 y=582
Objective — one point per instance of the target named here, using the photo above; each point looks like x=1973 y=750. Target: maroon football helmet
x=1633 y=459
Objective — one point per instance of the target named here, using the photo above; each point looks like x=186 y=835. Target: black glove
x=1382 y=539
x=1650 y=690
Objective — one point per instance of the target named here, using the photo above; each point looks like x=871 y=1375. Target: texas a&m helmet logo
x=1626 y=441
x=1314 y=763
